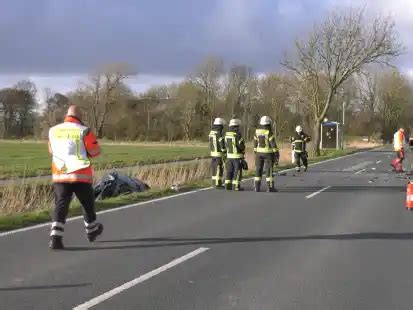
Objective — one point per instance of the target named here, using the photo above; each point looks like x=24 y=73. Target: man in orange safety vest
x=399 y=140
x=71 y=145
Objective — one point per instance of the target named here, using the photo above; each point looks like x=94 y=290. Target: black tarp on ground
x=114 y=184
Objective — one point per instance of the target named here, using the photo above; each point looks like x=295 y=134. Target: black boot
x=228 y=186
x=257 y=186
x=270 y=187
x=219 y=185
x=297 y=169
x=305 y=169
x=94 y=234
x=56 y=243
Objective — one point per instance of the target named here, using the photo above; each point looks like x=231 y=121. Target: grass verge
x=188 y=178
x=30 y=158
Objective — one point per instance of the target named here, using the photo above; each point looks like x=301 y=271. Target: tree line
x=340 y=70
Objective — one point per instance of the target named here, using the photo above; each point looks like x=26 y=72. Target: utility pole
x=342 y=129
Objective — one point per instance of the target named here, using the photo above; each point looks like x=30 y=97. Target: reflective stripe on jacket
x=235 y=145
x=216 y=143
x=72 y=144
x=299 y=142
x=264 y=141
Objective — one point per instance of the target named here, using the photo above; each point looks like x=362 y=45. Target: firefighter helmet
x=234 y=122
x=298 y=129
x=219 y=121
x=265 y=120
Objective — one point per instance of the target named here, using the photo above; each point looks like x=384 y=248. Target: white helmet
x=234 y=122
x=265 y=120
x=298 y=129
x=219 y=121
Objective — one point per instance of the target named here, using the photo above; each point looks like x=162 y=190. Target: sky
x=56 y=42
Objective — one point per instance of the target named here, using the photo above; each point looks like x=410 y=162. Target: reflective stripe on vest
x=73 y=177
x=263 y=141
x=232 y=150
x=214 y=144
x=68 y=149
x=298 y=146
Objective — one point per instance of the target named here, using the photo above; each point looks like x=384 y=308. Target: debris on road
x=114 y=184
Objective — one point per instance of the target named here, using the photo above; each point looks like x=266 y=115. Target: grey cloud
x=156 y=37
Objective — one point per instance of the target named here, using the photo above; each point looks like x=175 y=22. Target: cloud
x=159 y=37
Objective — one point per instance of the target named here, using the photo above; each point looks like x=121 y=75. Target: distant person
x=399 y=140
x=266 y=154
x=235 y=146
x=218 y=151
x=71 y=144
x=299 y=143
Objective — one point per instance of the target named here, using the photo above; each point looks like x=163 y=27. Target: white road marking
x=317 y=192
x=358 y=166
x=101 y=298
x=15 y=231
x=378 y=162
x=360 y=171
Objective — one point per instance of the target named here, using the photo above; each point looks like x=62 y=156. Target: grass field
x=31 y=158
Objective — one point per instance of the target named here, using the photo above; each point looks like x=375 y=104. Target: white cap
x=265 y=120
x=298 y=128
x=219 y=121
x=234 y=122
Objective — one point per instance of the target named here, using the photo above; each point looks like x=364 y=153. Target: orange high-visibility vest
x=72 y=144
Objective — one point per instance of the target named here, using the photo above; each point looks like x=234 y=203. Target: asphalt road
x=337 y=237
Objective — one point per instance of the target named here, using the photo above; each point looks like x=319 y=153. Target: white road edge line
x=317 y=192
x=360 y=171
x=15 y=231
x=101 y=298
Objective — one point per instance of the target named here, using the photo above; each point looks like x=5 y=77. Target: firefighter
x=71 y=145
x=218 y=151
x=235 y=146
x=266 y=154
x=299 y=143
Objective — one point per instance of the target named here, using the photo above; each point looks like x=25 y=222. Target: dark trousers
x=63 y=193
x=264 y=161
x=217 y=165
x=300 y=156
x=234 y=174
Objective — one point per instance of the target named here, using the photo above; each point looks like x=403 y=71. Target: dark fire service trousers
x=234 y=174
x=63 y=193
x=217 y=165
x=300 y=156
x=264 y=161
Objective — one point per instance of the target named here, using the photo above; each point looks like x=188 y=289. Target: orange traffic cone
x=409 y=196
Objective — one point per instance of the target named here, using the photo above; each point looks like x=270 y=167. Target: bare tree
x=368 y=90
x=275 y=92
x=26 y=104
x=240 y=77
x=395 y=105
x=106 y=86
x=207 y=77
x=336 y=50
x=187 y=98
x=54 y=110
